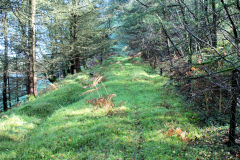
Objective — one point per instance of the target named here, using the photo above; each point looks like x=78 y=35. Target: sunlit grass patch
x=15 y=127
x=13 y=130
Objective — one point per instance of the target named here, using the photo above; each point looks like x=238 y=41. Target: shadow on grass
x=47 y=104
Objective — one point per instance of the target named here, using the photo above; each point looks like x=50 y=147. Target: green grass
x=61 y=125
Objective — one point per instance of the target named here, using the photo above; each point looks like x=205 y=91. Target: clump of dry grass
x=90 y=91
x=101 y=101
x=4 y=117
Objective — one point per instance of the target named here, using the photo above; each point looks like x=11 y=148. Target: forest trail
x=143 y=124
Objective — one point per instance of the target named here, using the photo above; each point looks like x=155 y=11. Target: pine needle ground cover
x=149 y=120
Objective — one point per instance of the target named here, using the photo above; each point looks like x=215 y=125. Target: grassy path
x=61 y=125
x=154 y=108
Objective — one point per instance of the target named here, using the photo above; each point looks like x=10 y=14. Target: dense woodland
x=195 y=43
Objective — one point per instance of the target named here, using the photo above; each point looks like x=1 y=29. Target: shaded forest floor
x=150 y=120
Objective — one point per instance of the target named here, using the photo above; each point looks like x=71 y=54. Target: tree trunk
x=235 y=87
x=5 y=71
x=17 y=81
x=220 y=100
x=29 y=74
x=101 y=58
x=64 y=70
x=238 y=4
x=32 y=50
x=72 y=68
x=235 y=93
x=190 y=54
x=75 y=63
x=161 y=71
x=214 y=25
x=9 y=93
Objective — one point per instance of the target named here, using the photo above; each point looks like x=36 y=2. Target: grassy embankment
x=143 y=124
